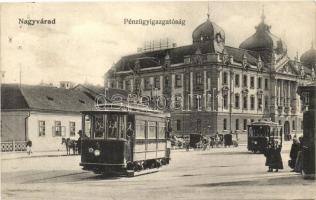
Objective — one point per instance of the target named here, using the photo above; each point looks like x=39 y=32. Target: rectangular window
x=178 y=125
x=237 y=124
x=41 y=128
x=245 y=81
x=245 y=102
x=128 y=85
x=259 y=103
x=112 y=84
x=259 y=82
x=167 y=82
x=266 y=102
x=293 y=125
x=57 y=128
x=140 y=129
x=225 y=78
x=72 y=129
x=225 y=124
x=98 y=125
x=147 y=85
x=122 y=126
x=152 y=131
x=245 y=124
x=157 y=82
x=87 y=125
x=198 y=78
x=237 y=101
x=178 y=80
x=252 y=82
x=237 y=80
x=120 y=84
x=161 y=130
x=178 y=101
x=252 y=102
x=225 y=98
x=266 y=84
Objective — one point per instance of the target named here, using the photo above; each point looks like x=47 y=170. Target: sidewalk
x=19 y=155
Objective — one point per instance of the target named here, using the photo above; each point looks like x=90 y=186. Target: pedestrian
x=293 y=153
x=273 y=157
x=29 y=147
x=267 y=154
x=129 y=131
x=299 y=160
x=236 y=133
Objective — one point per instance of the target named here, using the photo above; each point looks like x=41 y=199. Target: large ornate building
x=211 y=87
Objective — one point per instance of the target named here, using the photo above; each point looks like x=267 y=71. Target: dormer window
x=82 y=101
x=50 y=98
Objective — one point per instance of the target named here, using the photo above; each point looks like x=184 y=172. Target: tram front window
x=87 y=126
x=99 y=126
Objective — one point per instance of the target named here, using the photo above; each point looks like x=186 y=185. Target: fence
x=13 y=146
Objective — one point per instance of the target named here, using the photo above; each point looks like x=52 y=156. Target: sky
x=88 y=38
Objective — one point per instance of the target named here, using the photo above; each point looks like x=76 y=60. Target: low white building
x=41 y=114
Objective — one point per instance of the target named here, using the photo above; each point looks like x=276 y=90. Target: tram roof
x=267 y=123
x=125 y=109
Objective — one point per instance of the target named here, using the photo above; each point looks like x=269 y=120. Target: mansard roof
x=157 y=58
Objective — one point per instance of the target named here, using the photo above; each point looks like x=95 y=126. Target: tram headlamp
x=90 y=150
x=97 y=152
x=255 y=142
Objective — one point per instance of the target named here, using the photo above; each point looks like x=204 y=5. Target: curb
x=37 y=156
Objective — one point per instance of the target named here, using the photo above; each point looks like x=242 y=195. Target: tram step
x=132 y=173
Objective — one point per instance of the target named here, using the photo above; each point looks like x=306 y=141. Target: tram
x=124 y=140
x=308 y=97
x=261 y=132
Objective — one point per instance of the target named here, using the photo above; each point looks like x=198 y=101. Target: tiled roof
x=12 y=97
x=91 y=90
x=44 y=98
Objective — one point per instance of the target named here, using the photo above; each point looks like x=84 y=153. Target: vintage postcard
x=158 y=100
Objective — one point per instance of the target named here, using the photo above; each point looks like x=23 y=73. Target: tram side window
x=161 y=130
x=99 y=126
x=152 y=130
x=250 y=131
x=122 y=126
x=112 y=123
x=87 y=125
x=140 y=129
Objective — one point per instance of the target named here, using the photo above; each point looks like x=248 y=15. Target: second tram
x=261 y=132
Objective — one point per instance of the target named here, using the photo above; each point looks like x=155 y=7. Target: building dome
x=264 y=40
x=308 y=58
x=209 y=32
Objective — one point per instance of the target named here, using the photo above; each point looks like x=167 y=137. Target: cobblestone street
x=221 y=173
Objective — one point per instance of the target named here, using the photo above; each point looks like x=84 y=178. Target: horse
x=70 y=144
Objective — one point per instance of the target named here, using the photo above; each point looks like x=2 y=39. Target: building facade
x=41 y=114
x=210 y=87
